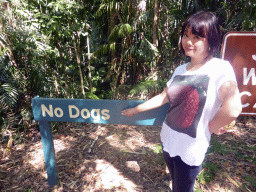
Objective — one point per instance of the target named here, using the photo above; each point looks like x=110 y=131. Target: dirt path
x=125 y=158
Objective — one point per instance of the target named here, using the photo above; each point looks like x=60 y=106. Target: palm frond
x=109 y=6
x=120 y=31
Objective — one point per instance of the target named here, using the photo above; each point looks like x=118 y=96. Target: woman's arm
x=230 y=109
x=153 y=103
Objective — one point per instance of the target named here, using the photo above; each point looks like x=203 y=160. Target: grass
x=250 y=180
x=157 y=149
x=219 y=148
x=230 y=160
x=210 y=169
x=208 y=173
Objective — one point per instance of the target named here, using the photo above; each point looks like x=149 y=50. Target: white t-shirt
x=193 y=103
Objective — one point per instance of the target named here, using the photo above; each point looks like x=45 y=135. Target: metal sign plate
x=239 y=48
x=94 y=111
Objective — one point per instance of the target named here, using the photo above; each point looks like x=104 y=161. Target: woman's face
x=194 y=46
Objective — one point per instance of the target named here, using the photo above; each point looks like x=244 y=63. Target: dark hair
x=204 y=24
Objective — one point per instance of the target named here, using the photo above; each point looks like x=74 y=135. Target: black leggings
x=183 y=176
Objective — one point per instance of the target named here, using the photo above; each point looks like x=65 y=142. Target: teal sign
x=46 y=110
x=94 y=111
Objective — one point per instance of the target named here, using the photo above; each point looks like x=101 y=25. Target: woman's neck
x=197 y=63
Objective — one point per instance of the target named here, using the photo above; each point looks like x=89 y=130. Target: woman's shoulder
x=181 y=68
x=219 y=65
x=221 y=68
x=220 y=62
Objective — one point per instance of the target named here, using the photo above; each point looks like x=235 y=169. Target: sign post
x=49 y=152
x=239 y=48
x=46 y=110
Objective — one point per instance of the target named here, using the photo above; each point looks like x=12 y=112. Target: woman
x=203 y=97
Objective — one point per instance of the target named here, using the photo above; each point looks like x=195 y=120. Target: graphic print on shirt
x=187 y=96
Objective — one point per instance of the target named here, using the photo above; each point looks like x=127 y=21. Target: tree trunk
x=59 y=47
x=111 y=25
x=155 y=36
x=89 y=63
x=56 y=84
x=155 y=39
x=78 y=60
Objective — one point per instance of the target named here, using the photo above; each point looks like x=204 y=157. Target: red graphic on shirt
x=187 y=95
x=190 y=106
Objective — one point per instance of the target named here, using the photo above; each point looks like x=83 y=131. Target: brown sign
x=239 y=48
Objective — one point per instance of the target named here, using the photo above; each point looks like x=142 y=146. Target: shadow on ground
x=124 y=158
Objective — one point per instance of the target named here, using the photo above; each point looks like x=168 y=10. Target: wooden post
x=49 y=153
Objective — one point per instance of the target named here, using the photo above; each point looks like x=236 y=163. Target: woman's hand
x=223 y=130
x=129 y=112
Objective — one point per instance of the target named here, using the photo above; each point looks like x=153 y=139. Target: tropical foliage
x=96 y=49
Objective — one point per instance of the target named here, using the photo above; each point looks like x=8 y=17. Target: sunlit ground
x=123 y=158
